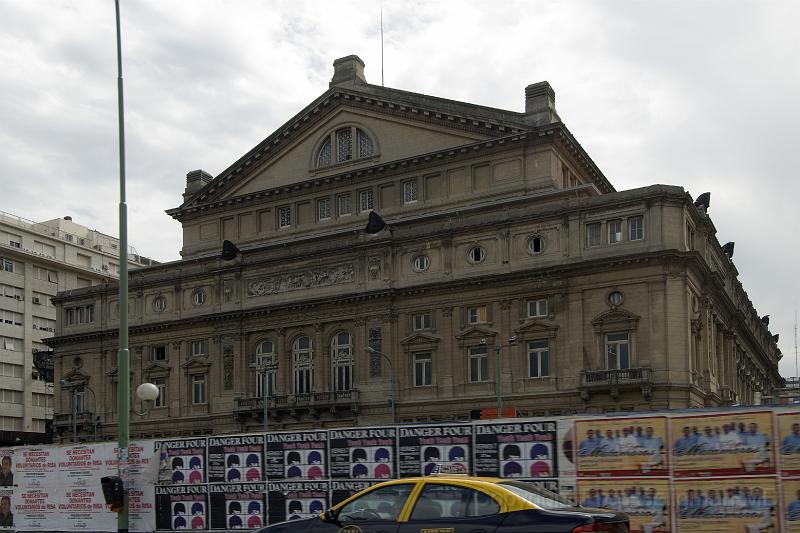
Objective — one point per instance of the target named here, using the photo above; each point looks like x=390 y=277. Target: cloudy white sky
x=698 y=94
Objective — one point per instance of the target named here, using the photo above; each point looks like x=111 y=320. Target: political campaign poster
x=363 y=453
x=789 y=443
x=516 y=449
x=735 y=443
x=237 y=505
x=646 y=500
x=747 y=504
x=341 y=490
x=6 y=512
x=621 y=446
x=293 y=500
x=181 y=507
x=424 y=450
x=183 y=461
x=297 y=455
x=236 y=459
x=791 y=505
x=566 y=457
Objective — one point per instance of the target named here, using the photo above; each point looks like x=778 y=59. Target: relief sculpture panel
x=306 y=279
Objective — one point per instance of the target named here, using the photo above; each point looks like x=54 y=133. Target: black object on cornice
x=776 y=337
x=229 y=251
x=703 y=201
x=375 y=223
x=727 y=249
x=765 y=320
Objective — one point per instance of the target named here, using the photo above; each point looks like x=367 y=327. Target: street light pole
x=498 y=374
x=370 y=349
x=123 y=355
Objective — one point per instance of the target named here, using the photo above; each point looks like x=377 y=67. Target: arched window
x=342 y=361
x=344 y=144
x=303 y=361
x=266 y=365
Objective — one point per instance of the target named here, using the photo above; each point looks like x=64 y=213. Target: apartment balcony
x=295 y=405
x=614 y=382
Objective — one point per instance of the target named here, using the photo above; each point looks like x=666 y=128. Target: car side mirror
x=329 y=517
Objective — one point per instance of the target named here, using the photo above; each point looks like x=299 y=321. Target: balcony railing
x=292 y=402
x=65 y=419
x=615 y=380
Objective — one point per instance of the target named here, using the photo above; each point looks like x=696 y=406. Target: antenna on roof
x=382 y=46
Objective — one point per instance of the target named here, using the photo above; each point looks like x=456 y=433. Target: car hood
x=303 y=525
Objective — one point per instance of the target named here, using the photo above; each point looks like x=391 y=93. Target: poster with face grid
x=341 y=490
x=237 y=505
x=297 y=455
x=236 y=459
x=426 y=449
x=363 y=453
x=516 y=450
x=293 y=500
x=182 y=461
x=181 y=507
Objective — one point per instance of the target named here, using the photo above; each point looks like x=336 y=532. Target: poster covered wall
x=293 y=500
x=424 y=449
x=237 y=505
x=236 y=459
x=746 y=504
x=297 y=455
x=184 y=460
x=516 y=449
x=646 y=500
x=181 y=507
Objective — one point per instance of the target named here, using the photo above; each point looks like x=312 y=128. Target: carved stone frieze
x=374 y=267
x=306 y=279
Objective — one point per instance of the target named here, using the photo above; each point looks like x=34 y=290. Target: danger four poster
x=363 y=453
x=516 y=449
x=297 y=455
x=182 y=461
x=181 y=507
x=236 y=459
x=237 y=505
x=293 y=500
x=426 y=449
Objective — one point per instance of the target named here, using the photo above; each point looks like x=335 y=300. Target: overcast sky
x=698 y=94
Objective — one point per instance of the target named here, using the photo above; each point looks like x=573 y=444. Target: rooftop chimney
x=540 y=104
x=348 y=71
x=195 y=180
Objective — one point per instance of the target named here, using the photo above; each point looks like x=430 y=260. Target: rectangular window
x=199 y=349
x=198 y=389
x=284 y=217
x=593 y=235
x=614 y=231
x=476 y=315
x=8 y=265
x=78 y=397
x=366 y=201
x=537 y=308
x=11 y=344
x=478 y=363
x=267 y=377
x=617 y=351
x=423 y=366
x=636 y=228
x=158 y=353
x=410 y=192
x=70 y=316
x=302 y=380
x=14 y=240
x=345 y=208
x=45 y=249
x=538 y=359
x=324 y=209
x=689 y=237
x=89 y=315
x=422 y=321
x=161 y=399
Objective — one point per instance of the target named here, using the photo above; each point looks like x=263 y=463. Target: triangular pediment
x=419 y=338
x=615 y=318
x=476 y=332
x=157 y=368
x=76 y=376
x=537 y=327
x=196 y=363
x=401 y=124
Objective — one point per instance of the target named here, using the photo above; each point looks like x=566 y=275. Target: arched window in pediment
x=344 y=144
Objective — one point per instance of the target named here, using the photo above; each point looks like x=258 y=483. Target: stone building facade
x=510 y=269
x=37 y=260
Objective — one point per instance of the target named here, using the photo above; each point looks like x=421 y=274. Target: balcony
x=294 y=405
x=615 y=381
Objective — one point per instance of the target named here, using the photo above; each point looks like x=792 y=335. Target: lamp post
x=264 y=369
x=370 y=349
x=498 y=374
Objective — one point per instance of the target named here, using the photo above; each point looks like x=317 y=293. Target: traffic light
x=113 y=492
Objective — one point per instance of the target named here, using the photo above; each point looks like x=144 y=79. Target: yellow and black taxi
x=457 y=504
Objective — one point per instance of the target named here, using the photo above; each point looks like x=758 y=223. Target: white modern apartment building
x=38 y=260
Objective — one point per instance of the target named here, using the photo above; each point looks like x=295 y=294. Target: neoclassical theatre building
x=509 y=269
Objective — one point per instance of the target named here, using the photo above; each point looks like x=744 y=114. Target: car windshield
x=536 y=495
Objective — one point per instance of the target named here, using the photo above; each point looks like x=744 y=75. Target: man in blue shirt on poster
x=791 y=443
x=686 y=444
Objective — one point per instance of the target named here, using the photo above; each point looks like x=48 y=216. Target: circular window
x=159 y=303
x=476 y=254
x=615 y=298
x=199 y=297
x=536 y=245
x=421 y=263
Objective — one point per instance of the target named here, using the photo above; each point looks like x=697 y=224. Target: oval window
x=615 y=298
x=199 y=297
x=421 y=263
x=160 y=303
x=535 y=245
x=476 y=254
